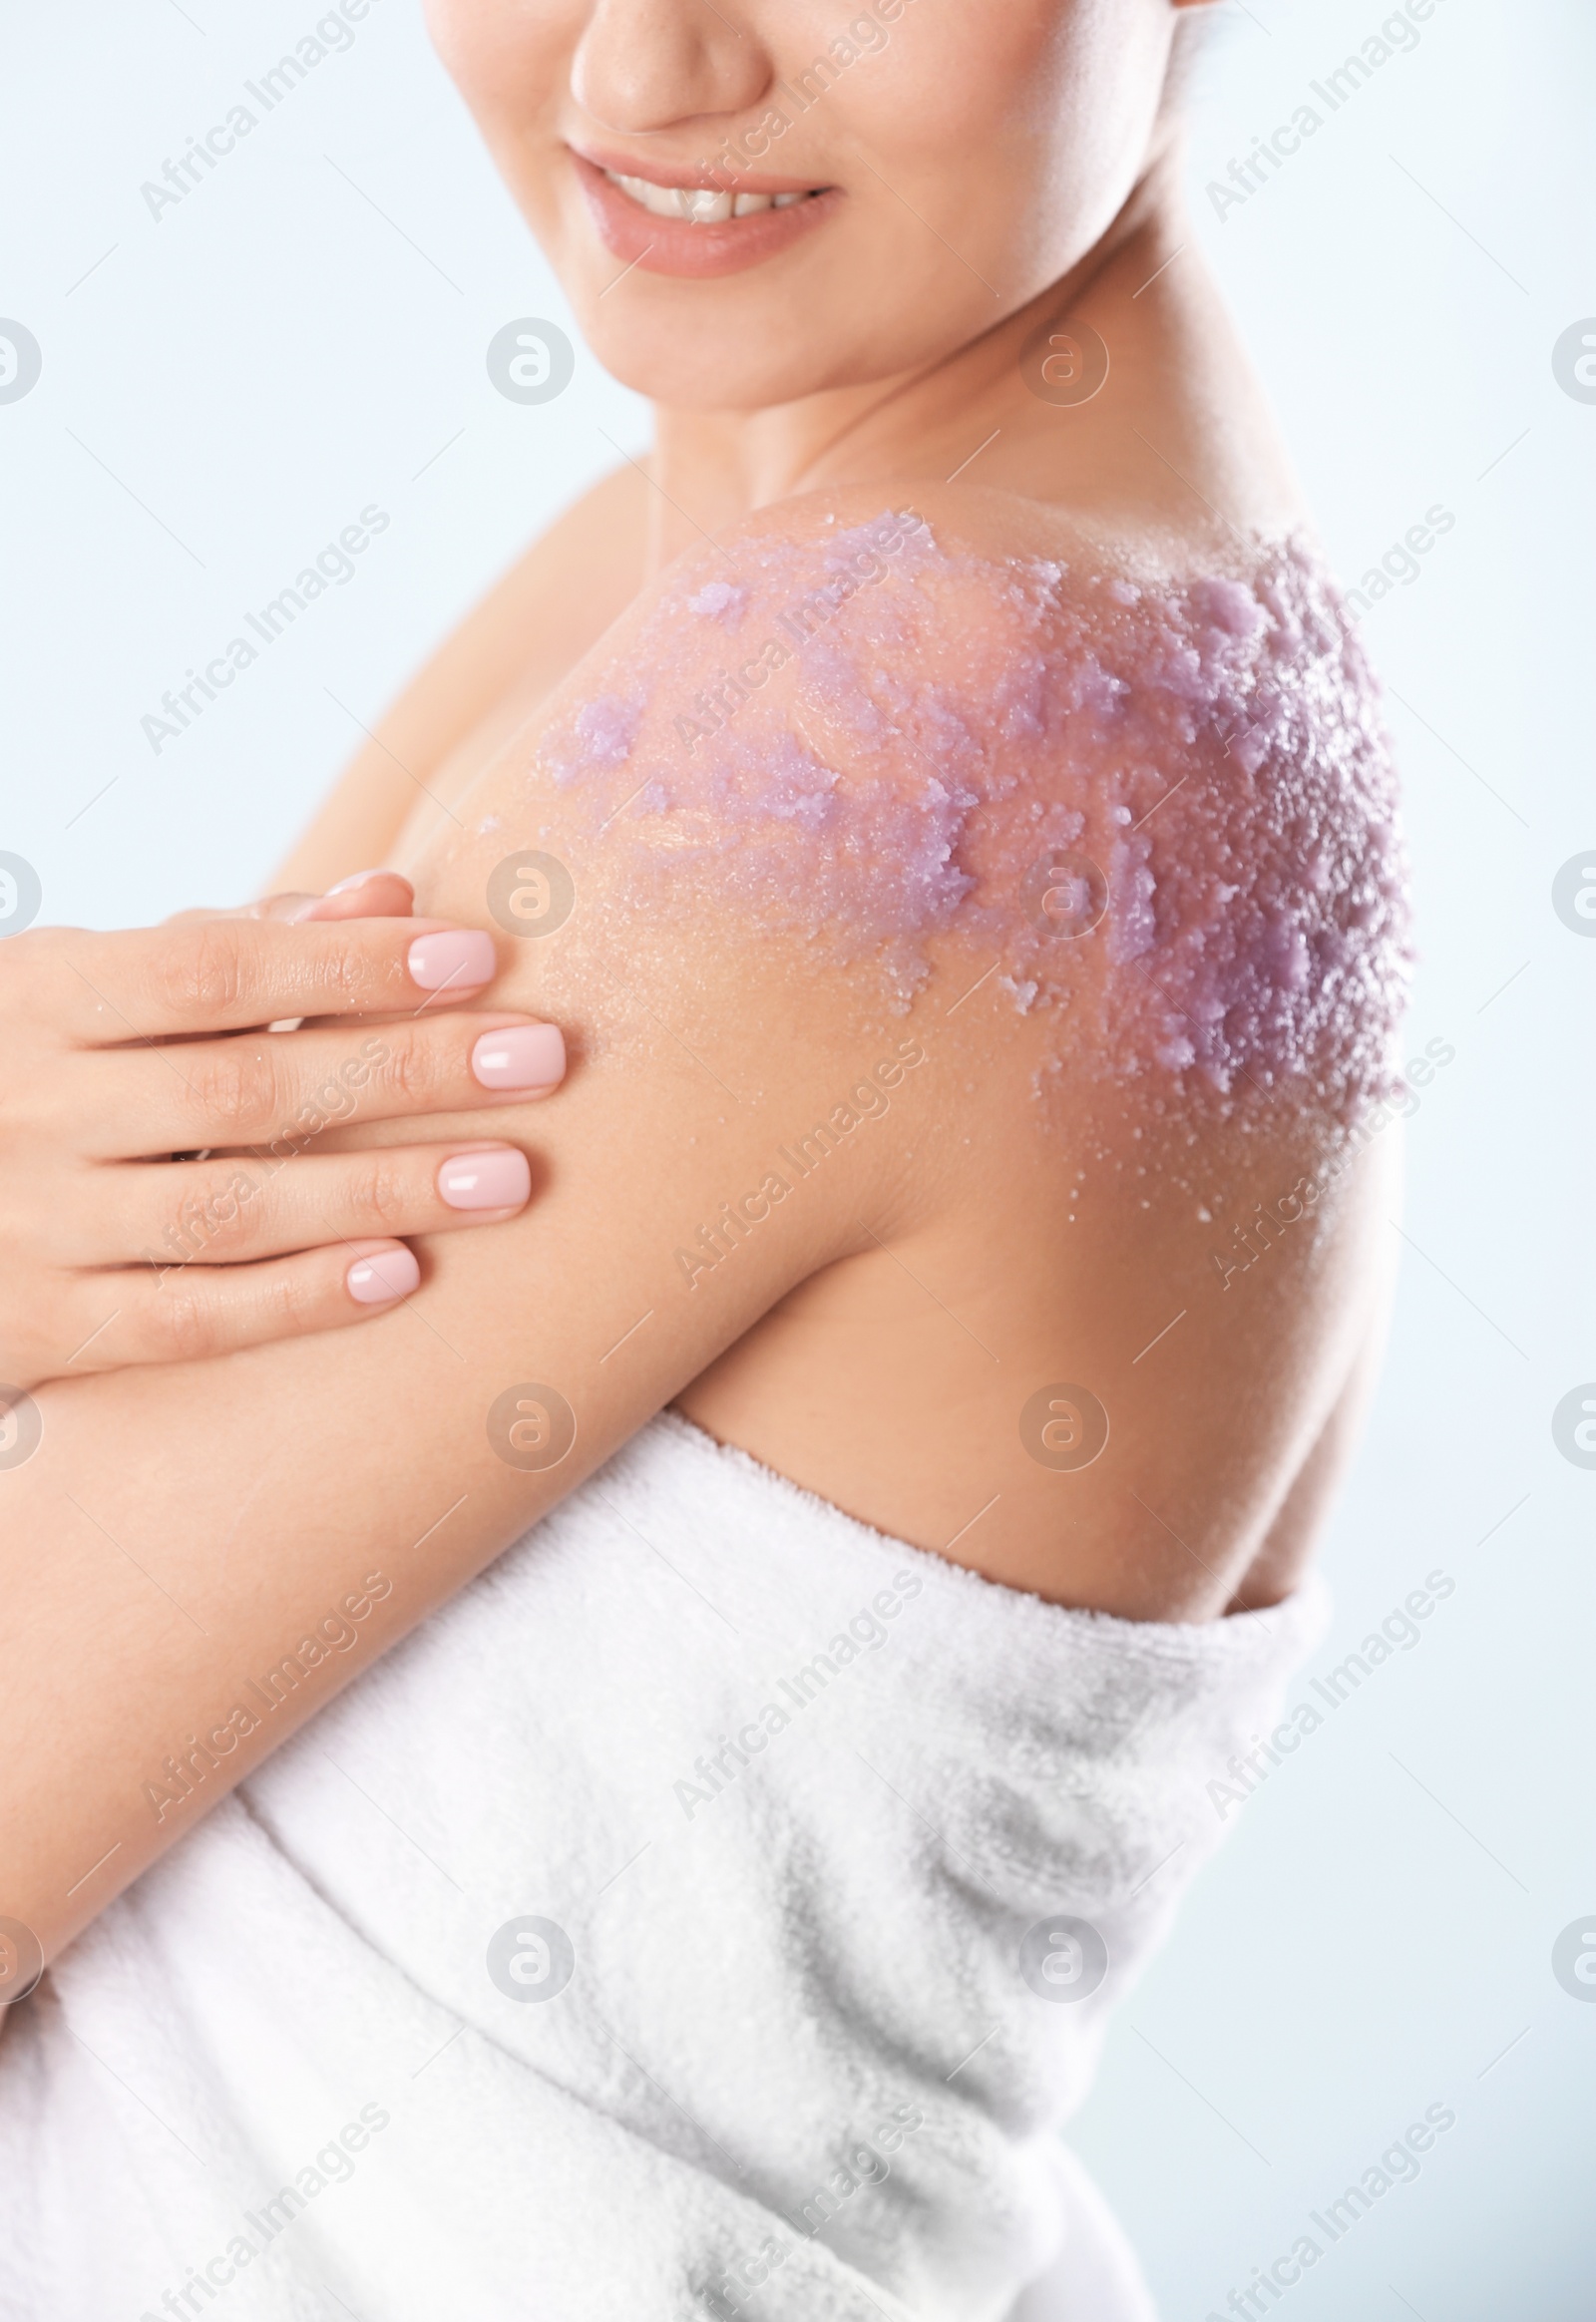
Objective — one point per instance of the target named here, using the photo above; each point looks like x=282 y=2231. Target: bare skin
x=876 y=1338
x=843 y=1386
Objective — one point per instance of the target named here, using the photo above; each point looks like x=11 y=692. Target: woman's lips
x=671 y=246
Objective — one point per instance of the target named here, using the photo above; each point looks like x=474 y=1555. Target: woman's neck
x=712 y=468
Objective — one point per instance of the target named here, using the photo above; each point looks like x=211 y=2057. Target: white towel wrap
x=796 y=2071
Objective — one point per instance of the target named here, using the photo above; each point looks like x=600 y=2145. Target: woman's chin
x=731 y=345
x=733 y=363
x=687 y=369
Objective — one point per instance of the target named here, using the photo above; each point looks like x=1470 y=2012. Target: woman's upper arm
x=194 y=1559
x=180 y=1535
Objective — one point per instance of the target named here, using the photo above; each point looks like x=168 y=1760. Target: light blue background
x=304 y=334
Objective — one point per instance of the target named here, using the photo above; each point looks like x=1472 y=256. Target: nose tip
x=642 y=66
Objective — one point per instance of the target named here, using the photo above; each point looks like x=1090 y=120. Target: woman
x=941 y=804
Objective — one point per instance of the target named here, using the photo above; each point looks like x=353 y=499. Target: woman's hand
x=160 y=1196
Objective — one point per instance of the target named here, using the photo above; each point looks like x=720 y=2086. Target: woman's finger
x=230 y=974
x=369 y=895
x=195 y=1313
x=280 y=1089
x=233 y=1212
x=365 y=895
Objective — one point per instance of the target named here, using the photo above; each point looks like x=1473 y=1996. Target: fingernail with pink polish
x=358 y=878
x=379 y=1281
x=453 y=960
x=501 y=1179
x=524 y=1057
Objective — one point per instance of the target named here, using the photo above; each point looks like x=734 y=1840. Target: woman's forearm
x=179 y=1535
x=194 y=1559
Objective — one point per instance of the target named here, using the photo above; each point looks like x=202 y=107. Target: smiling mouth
x=701 y=205
x=672 y=222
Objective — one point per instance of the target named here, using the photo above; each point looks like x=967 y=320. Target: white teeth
x=663 y=201
x=697 y=204
x=701 y=207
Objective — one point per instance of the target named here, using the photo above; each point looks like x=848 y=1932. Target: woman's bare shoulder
x=1144 y=778
x=1108 y=834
